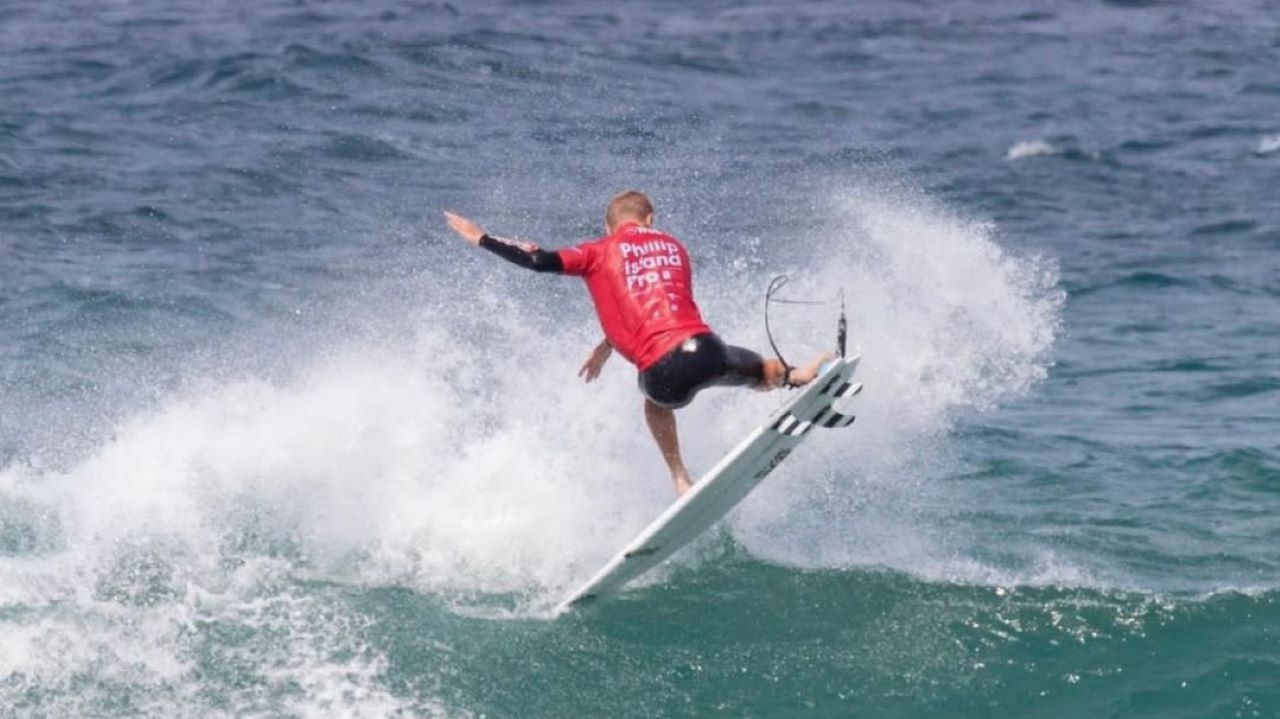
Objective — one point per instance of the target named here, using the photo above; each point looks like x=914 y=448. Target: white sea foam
x=381 y=465
x=486 y=483
x=1030 y=148
x=1268 y=144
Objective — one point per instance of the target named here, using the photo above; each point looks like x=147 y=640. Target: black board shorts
x=697 y=363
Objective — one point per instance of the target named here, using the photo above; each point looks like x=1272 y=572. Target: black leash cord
x=774 y=285
x=842 y=326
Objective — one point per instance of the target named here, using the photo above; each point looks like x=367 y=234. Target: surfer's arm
x=595 y=362
x=525 y=254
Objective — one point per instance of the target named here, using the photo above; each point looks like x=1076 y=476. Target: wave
x=1030 y=148
x=418 y=456
x=442 y=464
x=1150 y=280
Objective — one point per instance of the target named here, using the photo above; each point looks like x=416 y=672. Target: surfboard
x=728 y=482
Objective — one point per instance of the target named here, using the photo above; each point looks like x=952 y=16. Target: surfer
x=641 y=284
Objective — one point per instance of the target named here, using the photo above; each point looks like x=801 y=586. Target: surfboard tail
x=728 y=482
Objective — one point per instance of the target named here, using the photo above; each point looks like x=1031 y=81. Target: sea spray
x=374 y=466
x=948 y=322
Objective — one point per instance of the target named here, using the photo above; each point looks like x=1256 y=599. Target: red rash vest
x=642 y=286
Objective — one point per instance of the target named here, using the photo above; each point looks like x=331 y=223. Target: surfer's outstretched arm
x=525 y=254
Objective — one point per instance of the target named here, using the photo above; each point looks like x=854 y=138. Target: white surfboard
x=727 y=483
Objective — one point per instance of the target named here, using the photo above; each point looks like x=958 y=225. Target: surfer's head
x=628 y=206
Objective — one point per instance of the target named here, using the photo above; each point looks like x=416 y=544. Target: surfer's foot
x=801 y=376
x=683 y=483
x=777 y=374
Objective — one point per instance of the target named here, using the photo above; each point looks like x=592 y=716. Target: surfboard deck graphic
x=727 y=483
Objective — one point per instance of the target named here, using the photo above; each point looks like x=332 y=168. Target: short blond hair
x=628 y=205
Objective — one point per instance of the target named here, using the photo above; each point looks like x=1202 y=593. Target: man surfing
x=641 y=284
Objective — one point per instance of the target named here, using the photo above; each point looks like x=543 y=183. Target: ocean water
x=273 y=443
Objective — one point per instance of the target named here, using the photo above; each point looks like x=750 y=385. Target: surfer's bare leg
x=775 y=372
x=662 y=423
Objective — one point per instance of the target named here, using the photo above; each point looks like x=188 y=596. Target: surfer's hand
x=591 y=368
x=470 y=231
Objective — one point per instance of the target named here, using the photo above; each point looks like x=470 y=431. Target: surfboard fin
x=831 y=419
x=848 y=389
x=842 y=328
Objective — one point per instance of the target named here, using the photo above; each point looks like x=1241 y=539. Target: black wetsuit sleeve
x=523 y=254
